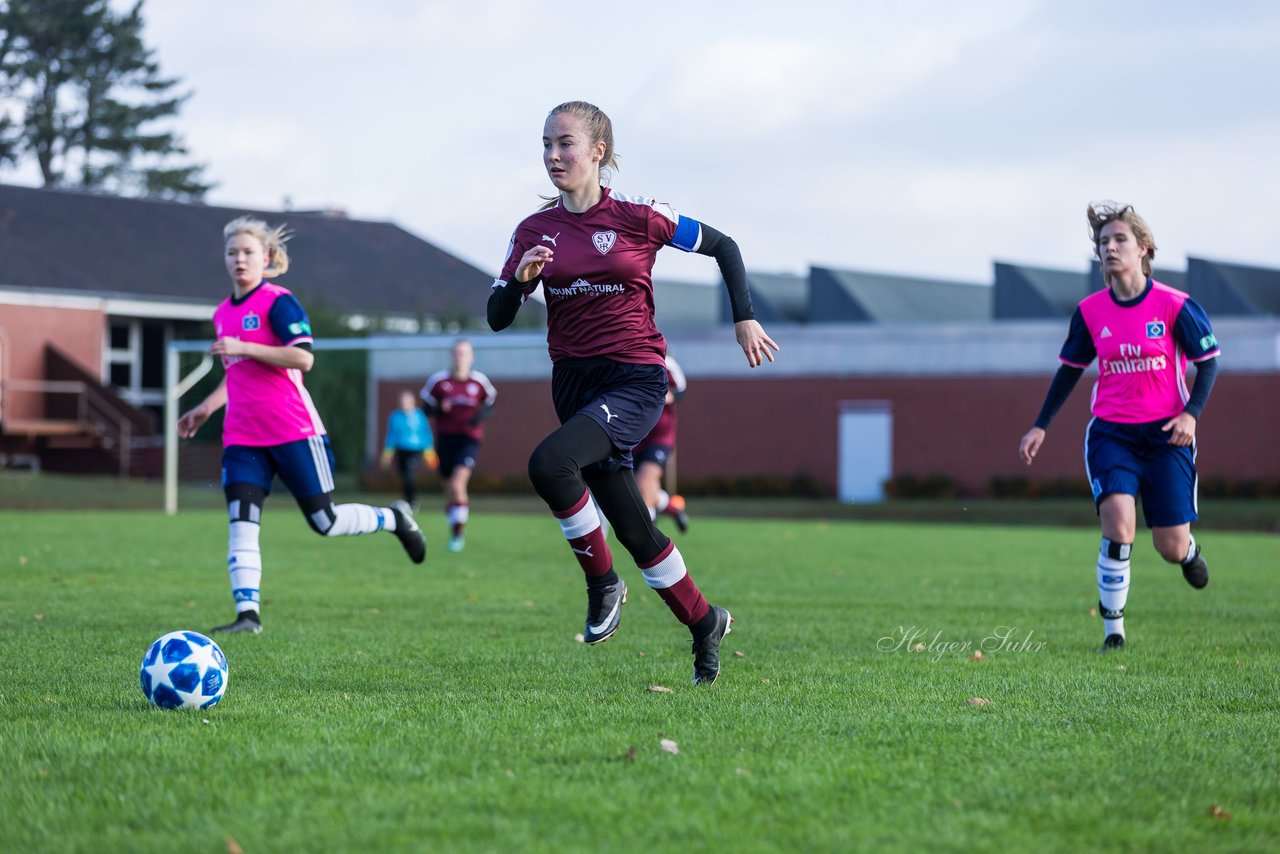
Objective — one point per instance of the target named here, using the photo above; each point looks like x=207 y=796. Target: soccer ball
x=184 y=670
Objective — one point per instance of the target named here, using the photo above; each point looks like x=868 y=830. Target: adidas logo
x=1106 y=333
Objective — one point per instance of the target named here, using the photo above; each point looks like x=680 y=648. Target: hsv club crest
x=604 y=240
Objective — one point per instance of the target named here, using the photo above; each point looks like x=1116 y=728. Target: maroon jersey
x=664 y=432
x=599 y=285
x=466 y=400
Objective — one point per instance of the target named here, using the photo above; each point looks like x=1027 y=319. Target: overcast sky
x=926 y=138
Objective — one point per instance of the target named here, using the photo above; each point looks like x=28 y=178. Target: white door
x=866 y=449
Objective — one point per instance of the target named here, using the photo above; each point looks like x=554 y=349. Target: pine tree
x=88 y=93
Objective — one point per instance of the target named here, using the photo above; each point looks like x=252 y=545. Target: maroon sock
x=581 y=526
x=667 y=575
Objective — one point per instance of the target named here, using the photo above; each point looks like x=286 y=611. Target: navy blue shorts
x=1137 y=459
x=658 y=454
x=305 y=466
x=623 y=398
x=454 y=450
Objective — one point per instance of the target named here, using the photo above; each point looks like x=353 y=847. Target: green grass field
x=448 y=707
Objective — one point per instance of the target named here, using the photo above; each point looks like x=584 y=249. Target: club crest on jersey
x=604 y=240
x=251 y=321
x=1155 y=328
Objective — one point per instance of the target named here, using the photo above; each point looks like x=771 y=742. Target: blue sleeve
x=1206 y=373
x=1078 y=350
x=688 y=234
x=289 y=321
x=1193 y=333
x=390 y=443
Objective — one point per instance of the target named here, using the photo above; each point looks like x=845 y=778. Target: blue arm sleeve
x=289 y=321
x=1059 y=390
x=1206 y=374
x=1194 y=334
x=1078 y=350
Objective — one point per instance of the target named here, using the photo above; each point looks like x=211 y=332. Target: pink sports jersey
x=266 y=405
x=1142 y=359
x=466 y=398
x=599 y=284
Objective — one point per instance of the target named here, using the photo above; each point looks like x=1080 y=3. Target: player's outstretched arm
x=193 y=419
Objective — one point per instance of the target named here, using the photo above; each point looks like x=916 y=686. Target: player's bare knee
x=1172 y=547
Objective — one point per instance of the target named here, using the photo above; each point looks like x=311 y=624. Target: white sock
x=244 y=565
x=351 y=520
x=1191 y=547
x=664 y=499
x=665 y=572
x=1113 y=585
x=458 y=514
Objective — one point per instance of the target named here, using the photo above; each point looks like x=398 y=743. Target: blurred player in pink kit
x=654 y=453
x=1141 y=440
x=271 y=426
x=592 y=251
x=459 y=399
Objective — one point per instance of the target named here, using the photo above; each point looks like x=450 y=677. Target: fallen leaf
x=765 y=682
x=580 y=638
x=22 y=560
x=919 y=648
x=191 y=603
x=1121 y=668
x=641 y=653
x=1093 y=612
x=742 y=772
x=510 y=773
x=669 y=746
x=39 y=616
x=233 y=847
x=978 y=655
x=737 y=653
x=630 y=755
x=528 y=603
x=1219 y=813
x=375 y=610
x=659 y=689
x=205 y=721
x=978 y=701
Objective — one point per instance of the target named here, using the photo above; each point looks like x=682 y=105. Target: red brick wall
x=964 y=427
x=24 y=330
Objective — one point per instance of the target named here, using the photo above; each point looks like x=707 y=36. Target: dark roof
x=153 y=249
x=775 y=298
x=1039 y=292
x=1024 y=292
x=680 y=304
x=838 y=296
x=1233 y=289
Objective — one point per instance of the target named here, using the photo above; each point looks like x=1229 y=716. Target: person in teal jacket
x=408 y=442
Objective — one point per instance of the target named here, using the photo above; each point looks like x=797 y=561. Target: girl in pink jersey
x=592 y=251
x=1141 y=440
x=271 y=426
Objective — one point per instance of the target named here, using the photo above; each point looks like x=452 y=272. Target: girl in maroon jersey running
x=592 y=250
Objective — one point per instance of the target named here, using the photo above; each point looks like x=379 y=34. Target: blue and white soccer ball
x=184 y=670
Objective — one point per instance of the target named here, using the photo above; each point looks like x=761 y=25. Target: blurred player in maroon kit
x=459 y=399
x=655 y=450
x=592 y=251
